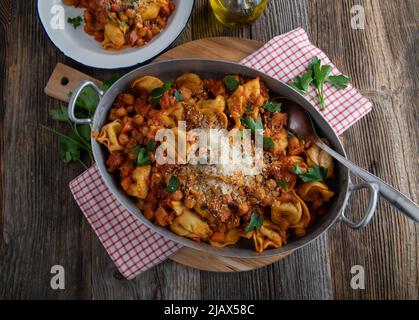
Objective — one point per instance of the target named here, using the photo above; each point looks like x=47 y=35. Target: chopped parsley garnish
x=179 y=97
x=283 y=184
x=204 y=207
x=268 y=144
x=314 y=173
x=174 y=184
x=272 y=106
x=231 y=82
x=256 y=222
x=143 y=157
x=158 y=93
x=76 y=22
x=252 y=124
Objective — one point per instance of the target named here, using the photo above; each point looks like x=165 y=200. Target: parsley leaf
x=136 y=149
x=78 y=139
x=151 y=145
x=273 y=106
x=302 y=83
x=283 y=184
x=158 y=93
x=179 y=97
x=231 y=82
x=340 y=81
x=252 y=124
x=174 y=184
x=76 y=22
x=268 y=144
x=60 y=115
x=204 y=207
x=256 y=222
x=314 y=173
x=143 y=157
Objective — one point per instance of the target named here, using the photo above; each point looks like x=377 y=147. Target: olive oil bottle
x=234 y=13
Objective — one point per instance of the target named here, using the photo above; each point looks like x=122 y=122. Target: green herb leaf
x=85 y=132
x=136 y=149
x=268 y=144
x=60 y=115
x=302 y=83
x=143 y=157
x=108 y=82
x=151 y=145
x=179 y=97
x=76 y=22
x=272 y=106
x=204 y=207
x=283 y=184
x=69 y=147
x=252 y=124
x=314 y=173
x=256 y=222
x=158 y=93
x=174 y=184
x=340 y=81
x=290 y=134
x=231 y=82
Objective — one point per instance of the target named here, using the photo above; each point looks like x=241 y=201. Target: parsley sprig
x=231 y=82
x=317 y=75
x=314 y=173
x=76 y=22
x=77 y=139
x=173 y=185
x=158 y=93
x=256 y=222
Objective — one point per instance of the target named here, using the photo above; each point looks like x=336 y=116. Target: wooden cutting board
x=64 y=79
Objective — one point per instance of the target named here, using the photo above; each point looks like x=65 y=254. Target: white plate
x=79 y=46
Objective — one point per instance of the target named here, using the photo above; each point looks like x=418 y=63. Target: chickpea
x=140 y=42
x=142 y=32
x=123 y=16
x=138 y=120
x=243 y=208
x=190 y=202
x=123 y=139
x=128 y=127
x=177 y=195
x=121 y=112
x=128 y=99
x=130 y=13
x=260 y=193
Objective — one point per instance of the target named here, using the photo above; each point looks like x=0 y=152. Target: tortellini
x=109 y=136
x=147 y=83
x=172 y=115
x=269 y=235
x=316 y=192
x=191 y=81
x=150 y=11
x=215 y=108
x=221 y=239
x=320 y=157
x=237 y=105
x=280 y=141
x=114 y=36
x=290 y=212
x=190 y=225
x=139 y=187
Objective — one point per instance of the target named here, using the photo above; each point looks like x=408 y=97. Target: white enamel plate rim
x=79 y=46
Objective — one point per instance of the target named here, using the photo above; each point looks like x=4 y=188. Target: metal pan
x=171 y=69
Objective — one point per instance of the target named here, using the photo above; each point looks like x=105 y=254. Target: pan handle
x=73 y=99
x=373 y=189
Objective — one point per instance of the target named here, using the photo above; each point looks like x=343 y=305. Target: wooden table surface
x=41 y=225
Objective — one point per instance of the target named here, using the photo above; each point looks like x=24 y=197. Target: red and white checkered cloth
x=132 y=246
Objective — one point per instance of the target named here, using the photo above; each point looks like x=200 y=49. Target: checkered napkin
x=132 y=246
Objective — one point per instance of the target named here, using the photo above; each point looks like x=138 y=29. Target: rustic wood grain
x=381 y=62
x=41 y=225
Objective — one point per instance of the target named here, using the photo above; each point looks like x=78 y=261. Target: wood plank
x=41 y=225
x=382 y=62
